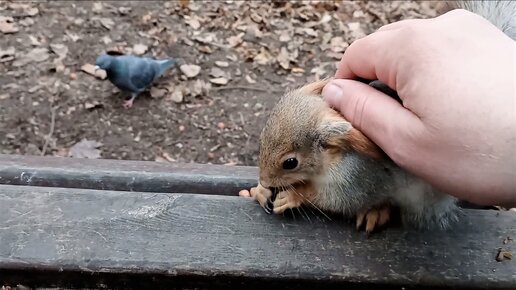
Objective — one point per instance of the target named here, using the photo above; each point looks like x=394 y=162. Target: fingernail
x=332 y=93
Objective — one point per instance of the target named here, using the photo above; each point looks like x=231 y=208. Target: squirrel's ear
x=315 y=88
x=333 y=134
x=341 y=135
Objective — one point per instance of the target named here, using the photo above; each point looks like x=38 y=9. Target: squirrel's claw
x=374 y=218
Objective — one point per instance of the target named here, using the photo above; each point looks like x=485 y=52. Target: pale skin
x=456 y=76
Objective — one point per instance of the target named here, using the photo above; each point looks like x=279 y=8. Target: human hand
x=456 y=77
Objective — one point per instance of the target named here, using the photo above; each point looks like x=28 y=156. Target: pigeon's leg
x=129 y=103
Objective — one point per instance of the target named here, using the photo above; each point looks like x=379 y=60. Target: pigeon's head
x=103 y=62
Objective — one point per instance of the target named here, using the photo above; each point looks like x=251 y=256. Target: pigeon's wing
x=141 y=74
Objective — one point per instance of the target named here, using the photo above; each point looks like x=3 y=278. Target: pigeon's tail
x=165 y=64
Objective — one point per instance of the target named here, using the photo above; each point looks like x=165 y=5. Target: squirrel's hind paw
x=374 y=218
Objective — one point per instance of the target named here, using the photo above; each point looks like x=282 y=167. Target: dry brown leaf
x=338 y=44
x=34 y=41
x=35 y=55
x=184 y=3
x=31 y=11
x=146 y=18
x=4 y=96
x=7 y=25
x=235 y=40
x=85 y=149
x=97 y=7
x=190 y=70
x=285 y=36
x=7 y=54
x=124 y=10
x=157 y=93
x=221 y=63
x=250 y=80
x=60 y=49
x=108 y=23
x=193 y=21
x=206 y=38
x=298 y=70
x=219 y=81
x=217 y=72
x=503 y=255
x=74 y=37
x=199 y=88
x=90 y=69
x=140 y=49
x=26 y=22
x=92 y=105
x=263 y=58
x=283 y=58
x=176 y=96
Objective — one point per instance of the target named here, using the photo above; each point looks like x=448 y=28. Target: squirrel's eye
x=290 y=163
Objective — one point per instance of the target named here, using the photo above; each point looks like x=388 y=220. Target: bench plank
x=86 y=238
x=143 y=176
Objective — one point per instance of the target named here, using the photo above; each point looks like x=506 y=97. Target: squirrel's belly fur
x=356 y=183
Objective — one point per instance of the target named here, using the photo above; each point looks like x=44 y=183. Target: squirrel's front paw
x=262 y=195
x=285 y=200
x=374 y=217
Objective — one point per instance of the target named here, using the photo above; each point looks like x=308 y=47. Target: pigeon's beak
x=97 y=68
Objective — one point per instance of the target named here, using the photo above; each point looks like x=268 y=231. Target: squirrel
x=309 y=154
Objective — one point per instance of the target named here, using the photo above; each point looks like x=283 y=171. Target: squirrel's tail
x=500 y=13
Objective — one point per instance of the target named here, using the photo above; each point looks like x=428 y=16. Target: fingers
x=381 y=118
x=369 y=58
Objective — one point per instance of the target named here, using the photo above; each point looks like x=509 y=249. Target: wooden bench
x=144 y=225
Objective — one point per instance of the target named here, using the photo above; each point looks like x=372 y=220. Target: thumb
x=381 y=118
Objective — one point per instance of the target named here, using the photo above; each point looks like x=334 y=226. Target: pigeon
x=131 y=73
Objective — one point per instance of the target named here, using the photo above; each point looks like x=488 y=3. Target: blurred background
x=235 y=59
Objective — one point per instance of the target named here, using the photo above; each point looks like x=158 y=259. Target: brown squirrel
x=309 y=154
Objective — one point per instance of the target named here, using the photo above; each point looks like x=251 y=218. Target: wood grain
x=53 y=237
x=144 y=176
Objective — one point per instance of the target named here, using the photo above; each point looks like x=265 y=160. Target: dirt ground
x=248 y=53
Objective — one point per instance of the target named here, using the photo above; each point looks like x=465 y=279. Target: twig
x=245 y=88
x=51 y=132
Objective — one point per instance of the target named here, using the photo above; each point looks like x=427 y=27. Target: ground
x=49 y=106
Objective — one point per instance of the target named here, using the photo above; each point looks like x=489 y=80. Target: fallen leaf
x=4 y=96
x=58 y=65
x=193 y=22
x=35 y=55
x=7 y=54
x=199 y=88
x=249 y=79
x=184 y=3
x=217 y=72
x=34 y=41
x=157 y=93
x=503 y=255
x=219 y=81
x=140 y=49
x=85 y=149
x=190 y=70
x=97 y=7
x=338 y=44
x=7 y=25
x=206 y=38
x=108 y=23
x=263 y=58
x=31 y=11
x=284 y=36
x=90 y=69
x=221 y=63
x=106 y=40
x=235 y=40
x=60 y=49
x=298 y=70
x=176 y=96
x=283 y=58
x=26 y=22
x=124 y=10
x=72 y=36
x=146 y=18
x=92 y=106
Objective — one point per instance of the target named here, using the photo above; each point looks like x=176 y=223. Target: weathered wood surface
x=82 y=237
x=144 y=176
